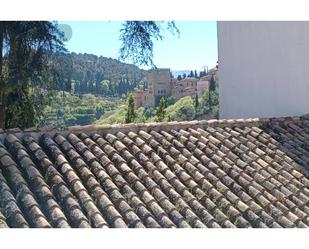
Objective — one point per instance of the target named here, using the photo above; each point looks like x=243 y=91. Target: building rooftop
x=216 y=173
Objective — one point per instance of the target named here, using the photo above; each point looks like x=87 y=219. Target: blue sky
x=196 y=47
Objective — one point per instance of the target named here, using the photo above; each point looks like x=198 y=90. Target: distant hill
x=89 y=73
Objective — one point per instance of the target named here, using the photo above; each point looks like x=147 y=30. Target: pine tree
x=27 y=44
x=196 y=103
x=212 y=89
x=212 y=84
x=130 y=116
x=191 y=74
x=160 y=112
x=195 y=74
x=179 y=77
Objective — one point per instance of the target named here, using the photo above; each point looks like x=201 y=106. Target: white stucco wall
x=263 y=69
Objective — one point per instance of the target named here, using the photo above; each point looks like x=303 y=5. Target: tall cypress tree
x=196 y=103
x=130 y=115
x=195 y=74
x=160 y=112
x=212 y=84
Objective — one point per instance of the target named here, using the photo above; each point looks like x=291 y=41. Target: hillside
x=88 y=73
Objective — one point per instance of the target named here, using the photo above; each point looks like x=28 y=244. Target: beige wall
x=185 y=87
x=264 y=69
x=159 y=82
x=142 y=98
x=201 y=86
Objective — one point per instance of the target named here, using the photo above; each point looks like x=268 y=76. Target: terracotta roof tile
x=217 y=173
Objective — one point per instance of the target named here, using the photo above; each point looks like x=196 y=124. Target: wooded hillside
x=88 y=73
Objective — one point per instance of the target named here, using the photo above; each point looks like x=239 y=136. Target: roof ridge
x=152 y=126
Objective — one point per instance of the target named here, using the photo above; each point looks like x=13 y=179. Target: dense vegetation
x=185 y=108
x=67 y=109
x=88 y=73
x=24 y=77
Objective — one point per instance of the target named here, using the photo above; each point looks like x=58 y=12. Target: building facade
x=143 y=98
x=161 y=84
x=263 y=68
x=202 y=85
x=185 y=87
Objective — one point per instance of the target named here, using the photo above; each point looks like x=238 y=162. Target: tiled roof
x=218 y=173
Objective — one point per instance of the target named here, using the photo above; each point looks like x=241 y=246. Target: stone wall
x=202 y=86
x=185 y=87
x=159 y=82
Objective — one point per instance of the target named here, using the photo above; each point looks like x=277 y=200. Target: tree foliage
x=212 y=84
x=23 y=72
x=160 y=112
x=100 y=75
x=137 y=40
x=196 y=103
x=130 y=115
x=183 y=109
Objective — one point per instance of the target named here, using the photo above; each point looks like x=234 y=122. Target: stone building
x=212 y=72
x=143 y=98
x=161 y=84
x=185 y=87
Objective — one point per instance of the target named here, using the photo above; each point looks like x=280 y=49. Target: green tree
x=196 y=103
x=179 y=77
x=195 y=74
x=24 y=48
x=105 y=87
x=183 y=109
x=161 y=112
x=130 y=115
x=212 y=84
x=191 y=74
x=205 y=102
x=170 y=100
x=212 y=88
